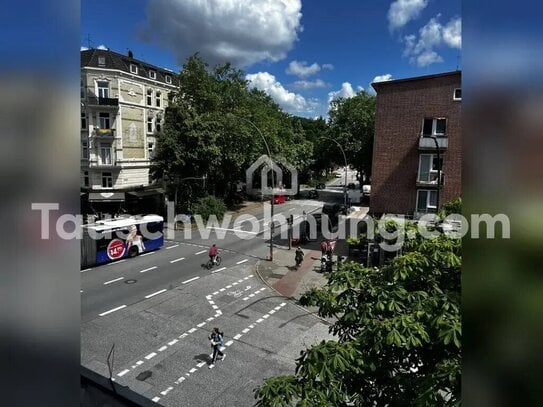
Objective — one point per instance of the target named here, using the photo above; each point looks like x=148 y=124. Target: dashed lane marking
x=216 y=271
x=171 y=247
x=150 y=356
x=147 y=254
x=192 y=279
x=112 y=310
x=149 y=269
x=202 y=251
x=116 y=262
x=176 y=260
x=112 y=281
x=86 y=270
x=242 y=261
x=158 y=292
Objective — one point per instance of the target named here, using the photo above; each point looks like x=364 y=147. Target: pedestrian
x=217 y=341
x=324 y=246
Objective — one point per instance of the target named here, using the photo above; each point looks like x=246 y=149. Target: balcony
x=428 y=143
x=108 y=134
x=429 y=180
x=103 y=102
x=104 y=164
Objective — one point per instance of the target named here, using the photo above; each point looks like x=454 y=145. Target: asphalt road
x=158 y=308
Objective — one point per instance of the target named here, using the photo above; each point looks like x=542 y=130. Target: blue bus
x=114 y=239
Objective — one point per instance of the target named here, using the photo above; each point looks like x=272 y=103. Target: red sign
x=115 y=249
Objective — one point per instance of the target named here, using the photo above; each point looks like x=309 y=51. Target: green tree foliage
x=352 y=124
x=206 y=130
x=398 y=332
x=209 y=205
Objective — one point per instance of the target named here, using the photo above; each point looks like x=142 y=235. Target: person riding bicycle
x=213 y=251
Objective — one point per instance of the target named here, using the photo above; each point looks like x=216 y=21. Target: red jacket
x=213 y=251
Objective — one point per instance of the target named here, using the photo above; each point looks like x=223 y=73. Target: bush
x=207 y=206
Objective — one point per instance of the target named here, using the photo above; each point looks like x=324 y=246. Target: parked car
x=366 y=190
x=334 y=210
x=279 y=199
x=312 y=194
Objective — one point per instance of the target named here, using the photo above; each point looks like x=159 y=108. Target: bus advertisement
x=113 y=239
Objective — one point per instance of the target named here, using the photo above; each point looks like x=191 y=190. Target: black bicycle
x=211 y=263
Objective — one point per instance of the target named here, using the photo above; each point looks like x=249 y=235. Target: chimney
x=130 y=55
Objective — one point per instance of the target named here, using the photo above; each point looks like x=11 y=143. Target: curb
x=291 y=299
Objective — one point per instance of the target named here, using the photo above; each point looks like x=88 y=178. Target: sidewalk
x=282 y=276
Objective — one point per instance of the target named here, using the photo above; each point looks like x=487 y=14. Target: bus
x=113 y=239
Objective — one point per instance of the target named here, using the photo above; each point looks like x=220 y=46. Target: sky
x=303 y=53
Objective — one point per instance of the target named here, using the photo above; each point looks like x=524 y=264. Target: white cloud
x=102 y=46
x=83 y=49
x=327 y=66
x=378 y=78
x=403 y=11
x=421 y=50
x=345 y=92
x=289 y=101
x=317 y=83
x=236 y=31
x=301 y=69
x=452 y=33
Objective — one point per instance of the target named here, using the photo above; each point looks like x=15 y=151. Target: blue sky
x=302 y=53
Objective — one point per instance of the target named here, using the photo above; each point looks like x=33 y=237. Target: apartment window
x=149 y=124
x=428 y=167
x=86 y=179
x=434 y=127
x=426 y=201
x=149 y=97
x=158 y=124
x=134 y=69
x=152 y=74
x=168 y=79
x=103 y=89
x=82 y=88
x=85 y=150
x=103 y=121
x=105 y=154
x=107 y=180
x=457 y=95
x=157 y=98
x=101 y=61
x=83 y=120
x=151 y=149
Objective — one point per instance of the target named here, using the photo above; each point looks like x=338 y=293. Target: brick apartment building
x=409 y=112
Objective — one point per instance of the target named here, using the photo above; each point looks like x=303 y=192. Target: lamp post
x=438 y=170
x=345 y=159
x=272 y=226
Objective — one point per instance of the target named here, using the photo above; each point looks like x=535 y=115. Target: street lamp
x=272 y=178
x=438 y=169
x=344 y=158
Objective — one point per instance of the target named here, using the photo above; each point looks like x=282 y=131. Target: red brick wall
x=400 y=110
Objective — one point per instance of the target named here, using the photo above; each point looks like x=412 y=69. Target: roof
x=116 y=61
x=376 y=85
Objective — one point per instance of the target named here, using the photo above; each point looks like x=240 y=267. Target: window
x=105 y=154
x=434 y=127
x=457 y=94
x=134 y=69
x=149 y=97
x=103 y=122
x=151 y=149
x=103 y=89
x=426 y=201
x=168 y=79
x=85 y=150
x=158 y=124
x=152 y=74
x=157 y=98
x=101 y=61
x=82 y=86
x=83 y=120
x=86 y=179
x=149 y=124
x=107 y=180
x=428 y=166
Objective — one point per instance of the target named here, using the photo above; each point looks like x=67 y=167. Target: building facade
x=122 y=108
x=412 y=115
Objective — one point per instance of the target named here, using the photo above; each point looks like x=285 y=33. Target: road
x=158 y=308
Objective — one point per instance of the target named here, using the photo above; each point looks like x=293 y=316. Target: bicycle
x=210 y=263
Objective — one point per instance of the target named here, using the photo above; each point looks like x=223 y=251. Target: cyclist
x=213 y=251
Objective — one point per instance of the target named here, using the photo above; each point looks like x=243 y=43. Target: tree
x=398 y=330
x=352 y=124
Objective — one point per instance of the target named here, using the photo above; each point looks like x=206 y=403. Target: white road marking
x=201 y=324
x=265 y=316
x=183 y=335
x=222 y=289
x=162 y=349
x=191 y=330
x=139 y=362
x=192 y=279
x=166 y=391
x=259 y=320
x=229 y=343
x=242 y=261
x=211 y=302
x=272 y=312
x=125 y=371
x=180 y=380
x=215 y=307
x=149 y=269
x=234 y=230
x=147 y=254
x=237 y=336
x=201 y=364
x=215 y=293
x=158 y=292
x=229 y=286
x=112 y=310
x=193 y=370
x=112 y=281
x=245 y=330
x=86 y=270
x=210 y=319
x=176 y=260
x=150 y=356
x=216 y=271
x=116 y=262
x=173 y=342
x=251 y=326
x=200 y=252
x=171 y=247
x=81 y=290
x=156 y=399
